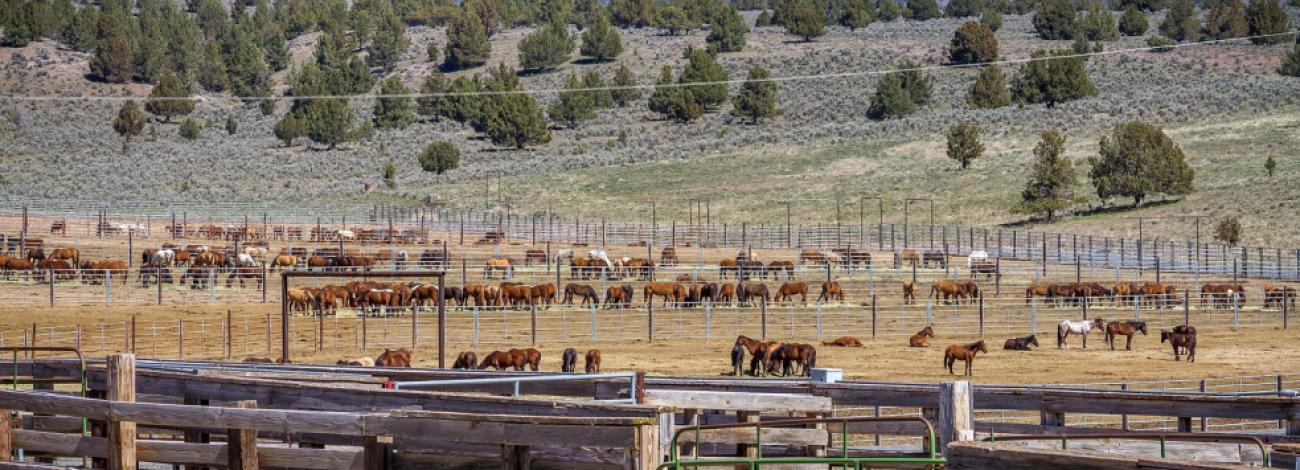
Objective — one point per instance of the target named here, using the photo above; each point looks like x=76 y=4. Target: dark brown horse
x=794 y=358
x=1126 y=328
x=531 y=358
x=465 y=360
x=966 y=353
x=1021 y=344
x=586 y=292
x=568 y=360
x=500 y=360
x=1180 y=342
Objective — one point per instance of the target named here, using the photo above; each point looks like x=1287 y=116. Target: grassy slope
x=1228 y=157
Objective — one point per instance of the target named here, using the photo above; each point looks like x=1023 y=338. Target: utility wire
x=790 y=78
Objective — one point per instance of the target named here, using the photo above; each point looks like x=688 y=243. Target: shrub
x=169 y=98
x=394 y=110
x=600 y=41
x=1132 y=22
x=1138 y=160
x=1052 y=77
x=962 y=8
x=1055 y=20
x=232 y=126
x=1228 y=231
x=1227 y=19
x=891 y=99
x=467 y=42
x=857 y=14
x=890 y=10
x=973 y=43
x=626 y=91
x=923 y=9
x=964 y=144
x=1291 y=63
x=440 y=157
x=129 y=121
x=546 y=47
x=289 y=128
x=1098 y=24
x=1270 y=166
x=190 y=129
x=1267 y=18
x=684 y=107
x=757 y=97
x=727 y=32
x=1160 y=43
x=764 y=19
x=989 y=90
x=992 y=19
x=573 y=105
x=804 y=20
x=1182 y=23
x=518 y=122
x=702 y=67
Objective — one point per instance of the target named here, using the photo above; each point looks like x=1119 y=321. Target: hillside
x=1223 y=103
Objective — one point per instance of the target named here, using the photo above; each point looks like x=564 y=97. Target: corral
x=1244 y=334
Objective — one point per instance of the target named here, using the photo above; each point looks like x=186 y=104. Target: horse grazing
x=663 y=289
x=390 y=358
x=831 y=290
x=618 y=296
x=592 y=365
x=788 y=290
x=794 y=358
x=921 y=338
x=1180 y=342
x=500 y=361
x=909 y=293
x=1037 y=290
x=950 y=289
x=465 y=360
x=356 y=362
x=1079 y=327
x=586 y=292
x=909 y=256
x=737 y=359
x=844 y=342
x=747 y=290
x=530 y=357
x=1020 y=344
x=496 y=264
x=568 y=360
x=1126 y=328
x=966 y=353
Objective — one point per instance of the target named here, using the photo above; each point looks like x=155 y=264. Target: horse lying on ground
x=921 y=338
x=1021 y=344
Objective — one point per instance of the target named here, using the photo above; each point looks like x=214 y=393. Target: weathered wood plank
x=121 y=433
x=956 y=415
x=504 y=433
x=771 y=436
x=731 y=401
x=1003 y=456
x=890 y=428
x=189 y=453
x=242 y=443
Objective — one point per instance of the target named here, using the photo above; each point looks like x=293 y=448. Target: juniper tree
x=573 y=105
x=439 y=157
x=1267 y=20
x=1132 y=22
x=684 y=107
x=1182 y=22
x=804 y=20
x=467 y=43
x=290 y=127
x=625 y=92
x=394 y=110
x=129 y=121
x=1291 y=63
x=923 y=9
x=169 y=98
x=972 y=43
x=1228 y=231
x=547 y=47
x=601 y=41
x=1052 y=77
x=989 y=90
x=598 y=88
x=891 y=99
x=992 y=19
x=1138 y=160
x=757 y=97
x=701 y=67
x=727 y=31
x=1052 y=180
x=1098 y=24
x=890 y=10
x=664 y=92
x=964 y=144
x=1055 y=20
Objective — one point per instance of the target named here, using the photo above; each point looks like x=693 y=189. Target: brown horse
x=1037 y=290
x=618 y=296
x=726 y=293
x=950 y=289
x=530 y=357
x=494 y=265
x=585 y=292
x=534 y=255
x=958 y=352
x=909 y=256
x=751 y=345
x=1223 y=295
x=794 y=358
x=501 y=361
x=593 y=361
x=831 y=290
x=746 y=290
x=1020 y=344
x=788 y=290
x=356 y=362
x=465 y=360
x=921 y=338
x=662 y=289
x=1180 y=342
x=844 y=342
x=1126 y=328
x=909 y=293
x=390 y=358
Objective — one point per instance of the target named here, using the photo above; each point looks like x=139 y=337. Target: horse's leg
x=1085 y=340
x=1128 y=346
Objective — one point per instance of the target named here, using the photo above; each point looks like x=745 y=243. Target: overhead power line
x=548 y=91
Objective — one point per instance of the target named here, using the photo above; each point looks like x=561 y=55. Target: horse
x=831 y=290
x=391 y=358
x=909 y=293
x=726 y=293
x=530 y=357
x=534 y=255
x=668 y=256
x=950 y=289
x=1037 y=290
x=921 y=338
x=1126 y=328
x=844 y=342
x=618 y=296
x=751 y=345
x=1080 y=327
x=592 y=363
x=663 y=289
x=783 y=268
x=966 y=353
x=737 y=359
x=356 y=362
x=938 y=258
x=242 y=273
x=284 y=262
x=795 y=358
x=761 y=361
x=568 y=360
x=1020 y=344
x=788 y=290
x=465 y=360
x=493 y=265
x=909 y=256
x=71 y=255
x=1185 y=330
x=500 y=361
x=745 y=290
x=1179 y=340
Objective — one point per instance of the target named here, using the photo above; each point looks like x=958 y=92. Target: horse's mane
x=974 y=346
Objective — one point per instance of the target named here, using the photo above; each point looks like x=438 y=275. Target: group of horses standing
x=520 y=359
x=769 y=357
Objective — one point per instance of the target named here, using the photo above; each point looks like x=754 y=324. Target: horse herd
x=1155 y=294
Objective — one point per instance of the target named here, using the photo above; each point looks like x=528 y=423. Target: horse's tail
x=812 y=361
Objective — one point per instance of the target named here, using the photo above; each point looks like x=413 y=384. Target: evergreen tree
x=1226 y=19
x=518 y=122
x=431 y=106
x=701 y=67
x=891 y=99
x=1054 y=20
x=1160 y=43
x=626 y=92
x=727 y=31
x=129 y=121
x=631 y=13
x=857 y=14
x=246 y=70
x=1133 y=22
x=113 y=57
x=440 y=157
x=918 y=84
x=431 y=51
x=585 y=13
x=389 y=42
x=1182 y=22
x=684 y=107
x=328 y=121
x=764 y=19
x=598 y=89
x=804 y=20
x=757 y=97
x=169 y=98
x=1052 y=180
x=1098 y=24
x=212 y=18
x=963 y=8
x=964 y=144
x=573 y=105
x=1228 y=231
x=1267 y=20
x=15 y=19
x=190 y=129
x=394 y=110
x=989 y=90
x=232 y=126
x=546 y=47
x=992 y=19
x=1291 y=63
x=1052 y=77
x=973 y=43
x=664 y=92
x=601 y=41
x=487 y=13
x=923 y=9
x=890 y=10
x=467 y=43
x=276 y=51
x=212 y=69
x=82 y=30
x=674 y=19
x=1138 y=160
x=1270 y=166
x=289 y=128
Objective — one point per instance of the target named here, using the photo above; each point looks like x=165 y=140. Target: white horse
x=600 y=255
x=346 y=234
x=244 y=260
x=1078 y=327
x=977 y=256
x=162 y=258
x=562 y=255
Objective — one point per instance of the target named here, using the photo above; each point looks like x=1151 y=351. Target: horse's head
x=1033 y=339
x=1099 y=324
x=1164 y=336
x=928 y=331
x=980 y=346
x=1141 y=326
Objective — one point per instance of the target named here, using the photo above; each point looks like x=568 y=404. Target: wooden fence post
x=121 y=434
x=956 y=413
x=650 y=318
x=241 y=444
x=6 y=439
x=377 y=450
x=762 y=303
x=873 y=315
x=532 y=314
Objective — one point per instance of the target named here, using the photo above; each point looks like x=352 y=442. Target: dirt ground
x=1222 y=353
